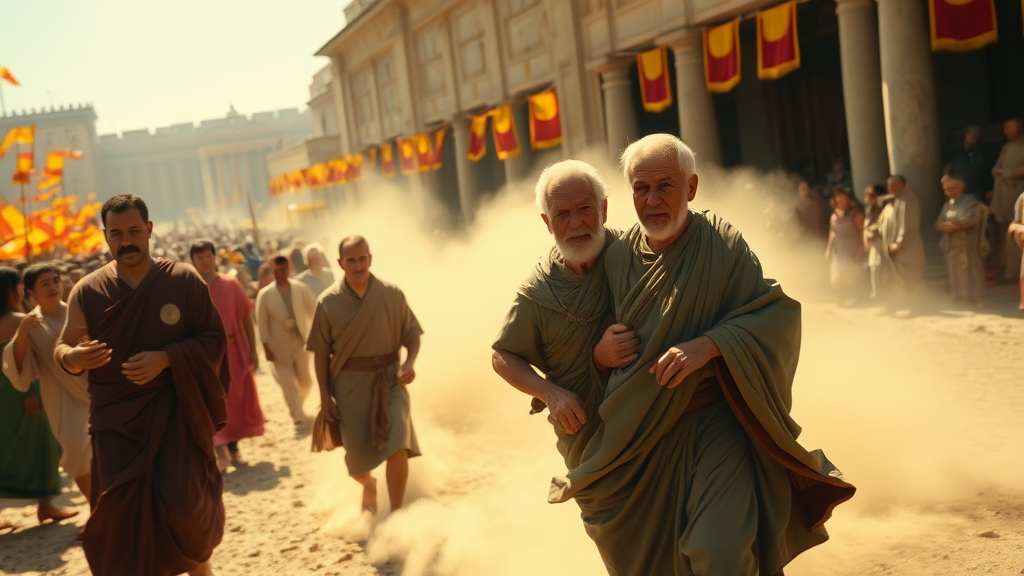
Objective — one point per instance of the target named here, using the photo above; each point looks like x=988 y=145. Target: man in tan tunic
x=562 y=309
x=962 y=222
x=900 y=225
x=1017 y=237
x=696 y=470
x=1009 y=183
x=359 y=326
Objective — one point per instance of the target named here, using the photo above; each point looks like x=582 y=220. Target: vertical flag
x=17 y=135
x=438 y=150
x=407 y=154
x=12 y=223
x=545 y=121
x=477 y=133
x=506 y=144
x=371 y=155
x=962 y=25
x=722 y=57
x=655 y=86
x=6 y=75
x=778 y=47
x=25 y=168
x=424 y=155
x=387 y=160
x=355 y=167
x=54 y=171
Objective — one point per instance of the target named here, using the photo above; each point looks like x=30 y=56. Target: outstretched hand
x=88 y=355
x=618 y=347
x=684 y=359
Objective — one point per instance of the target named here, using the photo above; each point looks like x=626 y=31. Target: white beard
x=661 y=232
x=582 y=253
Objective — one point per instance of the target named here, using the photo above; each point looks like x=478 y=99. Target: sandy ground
x=949 y=509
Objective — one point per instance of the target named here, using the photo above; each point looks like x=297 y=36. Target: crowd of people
x=873 y=243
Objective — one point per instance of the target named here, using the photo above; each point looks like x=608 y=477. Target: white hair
x=657 y=145
x=564 y=170
x=309 y=248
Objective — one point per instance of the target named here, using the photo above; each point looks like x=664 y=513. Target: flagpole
x=3 y=107
x=28 y=224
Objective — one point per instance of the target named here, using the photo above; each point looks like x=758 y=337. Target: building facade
x=869 y=89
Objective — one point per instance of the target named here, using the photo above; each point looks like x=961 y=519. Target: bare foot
x=237 y=460
x=370 y=496
x=47 y=511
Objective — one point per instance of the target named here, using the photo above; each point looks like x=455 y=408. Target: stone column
x=862 y=92
x=908 y=96
x=466 y=169
x=698 y=125
x=218 y=169
x=619 y=111
x=209 y=189
x=236 y=183
x=519 y=167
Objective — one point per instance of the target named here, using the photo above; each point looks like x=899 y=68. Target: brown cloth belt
x=708 y=392
x=380 y=409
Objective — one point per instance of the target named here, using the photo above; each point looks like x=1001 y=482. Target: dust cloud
x=892 y=403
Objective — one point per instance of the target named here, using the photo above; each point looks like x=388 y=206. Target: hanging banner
x=545 y=122
x=506 y=144
x=406 y=154
x=655 y=86
x=424 y=154
x=477 y=136
x=387 y=160
x=371 y=157
x=296 y=181
x=438 y=147
x=355 y=167
x=338 y=171
x=778 y=47
x=722 y=57
x=962 y=25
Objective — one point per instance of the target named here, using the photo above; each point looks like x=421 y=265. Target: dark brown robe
x=155 y=483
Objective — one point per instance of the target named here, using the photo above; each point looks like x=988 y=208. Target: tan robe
x=557 y=319
x=346 y=327
x=900 y=224
x=1004 y=194
x=65 y=397
x=965 y=250
x=722 y=489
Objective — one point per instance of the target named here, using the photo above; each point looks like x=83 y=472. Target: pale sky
x=150 y=63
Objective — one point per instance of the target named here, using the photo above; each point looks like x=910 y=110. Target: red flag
x=387 y=160
x=778 y=47
x=296 y=181
x=655 y=87
x=54 y=170
x=25 y=168
x=962 y=25
x=18 y=135
x=477 y=140
x=12 y=222
x=6 y=75
x=545 y=122
x=355 y=167
x=407 y=154
x=424 y=154
x=438 y=151
x=722 y=57
x=505 y=141
x=371 y=154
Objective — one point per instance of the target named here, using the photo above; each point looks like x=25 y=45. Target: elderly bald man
x=697 y=469
x=562 y=309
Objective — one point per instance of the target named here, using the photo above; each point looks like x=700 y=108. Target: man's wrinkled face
x=661 y=195
x=205 y=263
x=128 y=236
x=576 y=219
x=355 y=261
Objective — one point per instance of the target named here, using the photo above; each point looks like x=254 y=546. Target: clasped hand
x=684 y=359
x=144 y=366
x=618 y=347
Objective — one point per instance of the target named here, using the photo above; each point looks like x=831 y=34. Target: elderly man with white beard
x=562 y=309
x=696 y=468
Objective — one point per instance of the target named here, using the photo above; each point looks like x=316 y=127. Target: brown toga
x=155 y=483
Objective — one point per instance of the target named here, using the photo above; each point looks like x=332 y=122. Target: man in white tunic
x=284 y=310
x=29 y=356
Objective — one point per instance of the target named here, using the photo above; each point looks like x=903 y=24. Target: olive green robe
x=651 y=466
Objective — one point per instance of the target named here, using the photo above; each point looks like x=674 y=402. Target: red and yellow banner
x=5 y=74
x=655 y=86
x=722 y=57
x=545 y=120
x=25 y=168
x=387 y=160
x=424 y=154
x=962 y=25
x=477 y=137
x=506 y=143
x=371 y=155
x=355 y=166
x=406 y=155
x=25 y=135
x=778 y=46
x=337 y=170
x=438 y=150
x=54 y=171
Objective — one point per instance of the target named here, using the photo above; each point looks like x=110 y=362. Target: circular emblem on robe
x=170 y=314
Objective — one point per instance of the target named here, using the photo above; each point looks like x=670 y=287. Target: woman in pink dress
x=245 y=417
